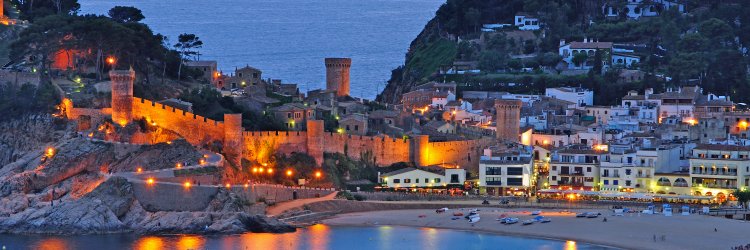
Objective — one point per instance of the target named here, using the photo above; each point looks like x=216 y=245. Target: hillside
x=677 y=43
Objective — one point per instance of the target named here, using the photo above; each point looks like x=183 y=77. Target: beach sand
x=632 y=231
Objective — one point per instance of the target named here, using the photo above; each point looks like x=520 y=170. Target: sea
x=317 y=237
x=289 y=39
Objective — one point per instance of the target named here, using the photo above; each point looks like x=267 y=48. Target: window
x=288 y=115
x=356 y=127
x=606 y=182
x=437 y=180
x=615 y=182
x=627 y=183
x=426 y=180
x=588 y=169
x=407 y=180
x=554 y=168
x=454 y=178
x=627 y=171
x=396 y=180
x=515 y=181
x=347 y=127
x=554 y=178
x=493 y=181
x=515 y=171
x=493 y=171
x=416 y=180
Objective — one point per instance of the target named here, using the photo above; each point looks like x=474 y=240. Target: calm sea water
x=315 y=237
x=288 y=39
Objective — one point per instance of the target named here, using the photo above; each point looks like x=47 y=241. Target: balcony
x=611 y=175
x=643 y=176
x=572 y=173
x=716 y=172
x=494 y=183
x=715 y=186
x=569 y=183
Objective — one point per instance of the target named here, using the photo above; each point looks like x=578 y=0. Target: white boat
x=581 y=215
x=528 y=222
x=474 y=219
x=471 y=214
x=546 y=220
x=592 y=215
x=511 y=220
x=537 y=212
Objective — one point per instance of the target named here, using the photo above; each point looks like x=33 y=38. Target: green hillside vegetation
x=706 y=46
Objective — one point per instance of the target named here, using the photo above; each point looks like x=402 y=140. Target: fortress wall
x=260 y=145
x=194 y=128
x=463 y=153
x=386 y=150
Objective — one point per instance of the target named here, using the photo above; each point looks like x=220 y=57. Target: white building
x=589 y=47
x=575 y=169
x=432 y=177
x=506 y=173
x=525 y=21
x=625 y=59
x=635 y=9
x=579 y=96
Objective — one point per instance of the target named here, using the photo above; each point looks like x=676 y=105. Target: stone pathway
x=284 y=206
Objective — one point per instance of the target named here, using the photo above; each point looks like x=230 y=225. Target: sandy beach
x=632 y=231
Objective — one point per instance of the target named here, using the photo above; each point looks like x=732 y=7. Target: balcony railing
x=715 y=186
x=574 y=184
x=495 y=183
x=573 y=173
x=727 y=173
x=643 y=176
x=611 y=175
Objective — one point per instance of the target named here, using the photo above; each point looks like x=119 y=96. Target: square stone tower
x=508 y=119
x=337 y=75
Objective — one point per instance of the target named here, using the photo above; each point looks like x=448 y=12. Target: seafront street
x=631 y=231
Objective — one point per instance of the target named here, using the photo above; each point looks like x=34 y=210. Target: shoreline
x=627 y=232
x=483 y=231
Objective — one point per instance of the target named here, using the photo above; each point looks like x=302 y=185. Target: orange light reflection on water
x=191 y=242
x=52 y=244
x=149 y=243
x=570 y=245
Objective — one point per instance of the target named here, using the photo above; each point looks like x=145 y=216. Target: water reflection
x=318 y=237
x=53 y=243
x=149 y=243
x=570 y=245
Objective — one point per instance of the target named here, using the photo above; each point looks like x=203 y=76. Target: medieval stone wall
x=385 y=150
x=195 y=129
x=260 y=145
x=462 y=153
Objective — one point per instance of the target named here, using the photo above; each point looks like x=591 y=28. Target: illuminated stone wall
x=195 y=129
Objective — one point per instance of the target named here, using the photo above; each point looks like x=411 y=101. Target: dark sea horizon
x=288 y=39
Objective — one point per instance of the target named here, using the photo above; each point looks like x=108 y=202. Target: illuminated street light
x=50 y=152
x=227 y=185
x=178 y=165
x=139 y=170
x=318 y=174
x=270 y=170
x=111 y=60
x=150 y=181
x=186 y=184
x=289 y=173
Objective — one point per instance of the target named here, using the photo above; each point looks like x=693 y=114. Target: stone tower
x=508 y=119
x=337 y=75
x=122 y=95
x=315 y=140
x=420 y=152
x=233 y=140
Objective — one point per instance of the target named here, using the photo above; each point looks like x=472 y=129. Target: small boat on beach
x=537 y=212
x=511 y=220
x=527 y=222
x=458 y=214
x=474 y=219
x=581 y=215
x=546 y=220
x=592 y=215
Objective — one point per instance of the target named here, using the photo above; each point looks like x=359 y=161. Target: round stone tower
x=337 y=75
x=508 y=119
x=233 y=140
x=122 y=95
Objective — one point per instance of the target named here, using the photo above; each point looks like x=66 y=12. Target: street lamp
x=289 y=173
x=111 y=60
x=318 y=174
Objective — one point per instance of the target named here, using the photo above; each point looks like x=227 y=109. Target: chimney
x=562 y=42
x=649 y=91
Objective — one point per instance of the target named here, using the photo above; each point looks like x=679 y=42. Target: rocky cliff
x=72 y=191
